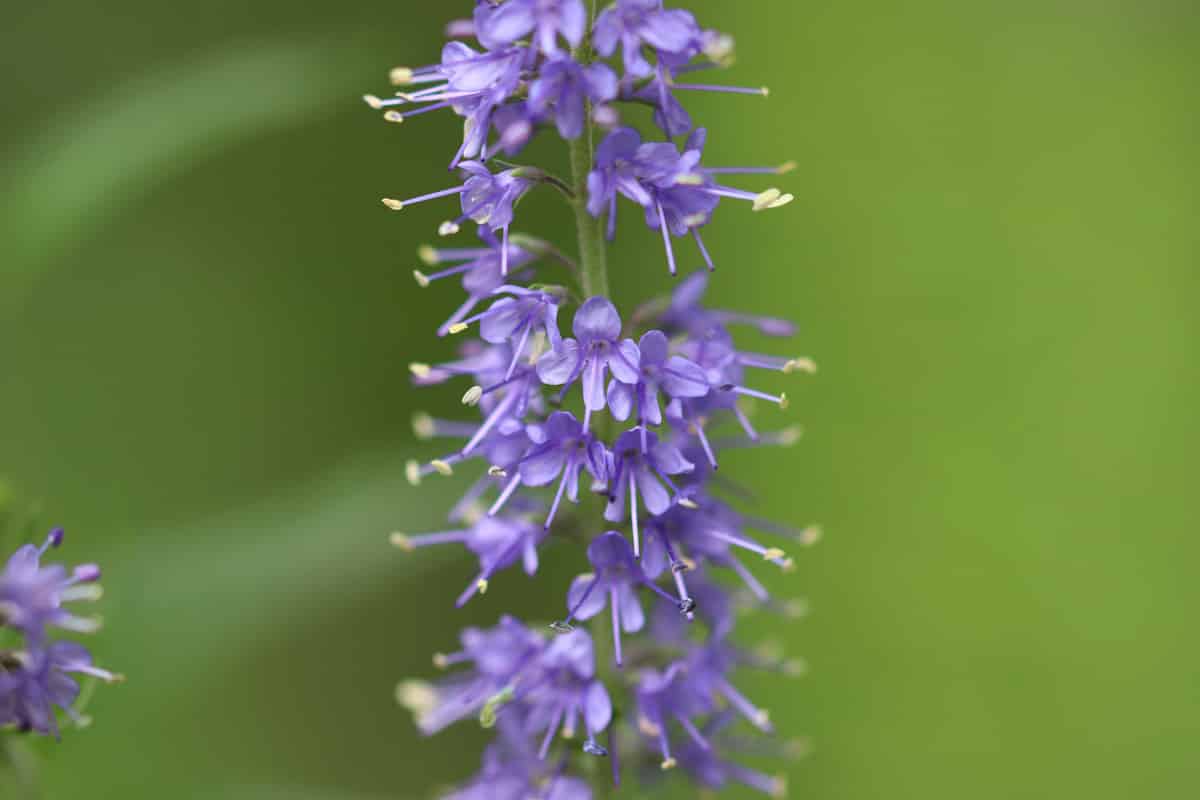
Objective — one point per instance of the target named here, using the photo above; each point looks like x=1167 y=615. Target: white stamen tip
x=762 y=718
x=400 y=76
x=779 y=787
x=473 y=396
x=648 y=727
x=765 y=91
x=393 y=116
x=800 y=365
x=688 y=502
x=766 y=198
x=412 y=472
x=416 y=696
x=497 y=472
x=423 y=426
x=428 y=255
x=773 y=554
x=668 y=763
x=421 y=278
x=373 y=101
x=440 y=661
x=420 y=370
x=458 y=327
x=689 y=179
x=568 y=732
x=392 y=203
x=783 y=401
x=695 y=220
x=786 y=167
x=401 y=541
x=789 y=436
x=442 y=468
x=796 y=608
x=810 y=535
x=448 y=229
x=795 y=668
x=482 y=585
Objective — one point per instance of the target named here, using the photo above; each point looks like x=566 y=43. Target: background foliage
x=205 y=316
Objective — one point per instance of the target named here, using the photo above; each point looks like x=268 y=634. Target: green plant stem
x=592 y=256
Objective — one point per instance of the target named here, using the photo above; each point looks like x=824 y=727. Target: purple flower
x=512 y=770
x=481 y=269
x=514 y=318
x=614 y=581
x=632 y=24
x=708 y=768
x=563 y=86
x=494 y=658
x=674 y=376
x=498 y=542
x=562 y=691
x=561 y=447
x=596 y=350
x=504 y=24
x=685 y=314
x=34 y=681
x=671 y=696
x=642 y=464
x=32 y=594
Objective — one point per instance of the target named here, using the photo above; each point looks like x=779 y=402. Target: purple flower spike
x=504 y=24
x=615 y=578
x=632 y=24
x=565 y=691
x=642 y=464
x=562 y=88
x=596 y=350
x=674 y=376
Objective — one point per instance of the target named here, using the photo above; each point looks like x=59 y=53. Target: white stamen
x=789 y=436
x=417 y=696
x=473 y=396
x=779 y=786
x=393 y=116
x=423 y=426
x=373 y=101
x=401 y=541
x=448 y=228
x=667 y=764
x=392 y=203
x=810 y=535
x=773 y=554
x=412 y=471
x=785 y=168
x=442 y=468
x=688 y=502
x=765 y=92
x=497 y=472
x=440 y=661
x=421 y=278
x=801 y=365
x=458 y=327
x=690 y=179
x=648 y=727
x=420 y=370
x=400 y=76
x=482 y=585
x=428 y=255
x=87 y=592
x=783 y=401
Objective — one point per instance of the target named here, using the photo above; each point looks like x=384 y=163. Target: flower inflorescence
x=637 y=407
x=36 y=671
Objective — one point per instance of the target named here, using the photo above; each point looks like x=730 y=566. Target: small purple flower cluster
x=643 y=432
x=36 y=674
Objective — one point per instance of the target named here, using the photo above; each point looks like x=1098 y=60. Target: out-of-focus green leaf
x=145 y=132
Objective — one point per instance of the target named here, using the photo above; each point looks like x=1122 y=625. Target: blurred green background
x=205 y=317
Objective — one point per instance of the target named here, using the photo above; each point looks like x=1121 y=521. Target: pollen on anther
x=412 y=471
x=421 y=278
x=448 y=228
x=497 y=472
x=442 y=468
x=440 y=661
x=400 y=76
x=393 y=204
x=783 y=401
x=419 y=370
x=668 y=763
x=401 y=541
x=423 y=426
x=393 y=116
x=373 y=101
x=773 y=553
x=458 y=327
x=427 y=254
x=786 y=167
x=472 y=396
x=482 y=585
x=688 y=502
x=800 y=365
x=810 y=535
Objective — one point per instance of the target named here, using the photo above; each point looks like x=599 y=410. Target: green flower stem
x=592 y=256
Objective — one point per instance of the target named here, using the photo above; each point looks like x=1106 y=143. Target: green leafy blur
x=205 y=317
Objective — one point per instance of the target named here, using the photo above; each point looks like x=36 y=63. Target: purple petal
x=597 y=707
x=595 y=601
x=654 y=495
x=624 y=361
x=601 y=83
x=671 y=31
x=669 y=459
x=502 y=321
x=555 y=367
x=597 y=319
x=654 y=347
x=683 y=378
x=620 y=400
x=593 y=384
x=544 y=466
x=633 y=619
